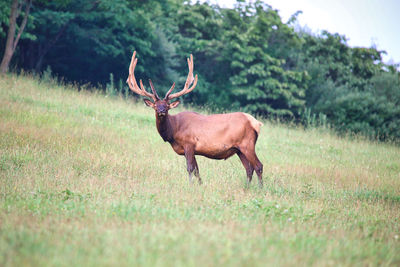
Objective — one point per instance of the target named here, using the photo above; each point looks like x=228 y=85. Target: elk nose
x=162 y=112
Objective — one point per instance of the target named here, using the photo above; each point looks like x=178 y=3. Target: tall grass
x=85 y=179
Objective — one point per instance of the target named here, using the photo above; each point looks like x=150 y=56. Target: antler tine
x=169 y=91
x=189 y=80
x=132 y=80
x=153 y=96
x=154 y=90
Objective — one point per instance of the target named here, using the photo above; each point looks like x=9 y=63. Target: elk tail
x=254 y=123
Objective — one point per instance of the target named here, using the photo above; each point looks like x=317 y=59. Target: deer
x=216 y=136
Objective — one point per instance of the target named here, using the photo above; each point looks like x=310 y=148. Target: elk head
x=161 y=106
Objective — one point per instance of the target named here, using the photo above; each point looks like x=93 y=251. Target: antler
x=133 y=84
x=189 y=81
x=152 y=89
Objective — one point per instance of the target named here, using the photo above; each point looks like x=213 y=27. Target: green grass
x=86 y=180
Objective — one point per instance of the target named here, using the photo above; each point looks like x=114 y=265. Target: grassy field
x=86 y=180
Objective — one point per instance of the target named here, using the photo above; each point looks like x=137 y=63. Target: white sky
x=363 y=22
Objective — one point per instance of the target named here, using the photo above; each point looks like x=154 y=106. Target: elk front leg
x=191 y=163
x=196 y=171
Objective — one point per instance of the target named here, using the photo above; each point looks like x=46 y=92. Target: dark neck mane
x=164 y=127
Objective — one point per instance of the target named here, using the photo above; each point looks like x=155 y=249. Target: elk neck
x=165 y=128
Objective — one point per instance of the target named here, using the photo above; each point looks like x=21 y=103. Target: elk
x=217 y=136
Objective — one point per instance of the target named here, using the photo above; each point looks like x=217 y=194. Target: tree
x=86 y=41
x=12 y=40
x=243 y=57
x=258 y=46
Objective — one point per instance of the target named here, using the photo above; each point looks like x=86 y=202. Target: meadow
x=85 y=180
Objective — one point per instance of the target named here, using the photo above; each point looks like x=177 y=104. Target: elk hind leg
x=249 y=168
x=255 y=163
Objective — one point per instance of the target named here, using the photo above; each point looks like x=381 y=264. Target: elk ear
x=174 y=104
x=148 y=103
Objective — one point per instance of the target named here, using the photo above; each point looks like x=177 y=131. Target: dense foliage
x=246 y=57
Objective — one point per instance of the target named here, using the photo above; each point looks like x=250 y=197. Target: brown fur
x=217 y=136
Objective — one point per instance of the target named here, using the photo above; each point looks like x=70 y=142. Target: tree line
x=246 y=58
